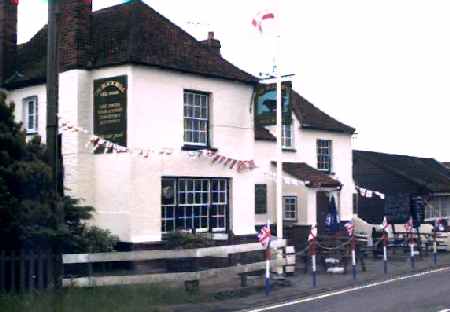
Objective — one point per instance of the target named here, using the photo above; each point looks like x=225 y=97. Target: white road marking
x=344 y=291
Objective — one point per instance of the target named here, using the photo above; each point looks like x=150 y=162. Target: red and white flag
x=349 y=227
x=313 y=233
x=385 y=224
x=409 y=225
x=264 y=236
x=260 y=17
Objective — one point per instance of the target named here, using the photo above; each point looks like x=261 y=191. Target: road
x=429 y=291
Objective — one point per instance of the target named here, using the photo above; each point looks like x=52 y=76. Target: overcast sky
x=380 y=66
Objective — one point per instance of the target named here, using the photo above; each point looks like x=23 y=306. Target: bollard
x=413 y=260
x=312 y=251
x=354 y=257
x=267 y=279
x=385 y=243
x=434 y=249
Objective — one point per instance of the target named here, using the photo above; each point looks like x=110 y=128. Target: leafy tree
x=32 y=214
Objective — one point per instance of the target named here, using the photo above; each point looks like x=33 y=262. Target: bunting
x=98 y=144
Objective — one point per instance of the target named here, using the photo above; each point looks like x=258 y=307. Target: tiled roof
x=446 y=164
x=133 y=33
x=262 y=134
x=306 y=173
x=425 y=172
x=311 y=117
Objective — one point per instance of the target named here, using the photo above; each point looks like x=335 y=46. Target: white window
x=30 y=109
x=196 y=112
x=194 y=204
x=287 y=138
x=438 y=207
x=324 y=155
x=290 y=207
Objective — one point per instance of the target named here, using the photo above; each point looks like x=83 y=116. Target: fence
x=22 y=271
x=146 y=255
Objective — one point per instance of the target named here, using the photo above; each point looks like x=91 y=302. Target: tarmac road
x=428 y=291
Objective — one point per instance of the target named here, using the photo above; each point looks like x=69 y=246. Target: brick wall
x=8 y=39
x=75 y=42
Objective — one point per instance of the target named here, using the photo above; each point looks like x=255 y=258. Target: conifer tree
x=30 y=208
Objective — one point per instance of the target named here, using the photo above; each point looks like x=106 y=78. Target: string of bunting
x=286 y=180
x=98 y=144
x=368 y=193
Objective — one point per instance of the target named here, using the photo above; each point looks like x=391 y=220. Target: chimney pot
x=212 y=43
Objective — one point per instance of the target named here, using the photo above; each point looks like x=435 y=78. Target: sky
x=382 y=67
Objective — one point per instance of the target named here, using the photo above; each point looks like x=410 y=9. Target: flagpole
x=279 y=208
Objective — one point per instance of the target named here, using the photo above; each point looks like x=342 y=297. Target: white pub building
x=158 y=129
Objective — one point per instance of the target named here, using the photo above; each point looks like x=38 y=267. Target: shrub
x=180 y=240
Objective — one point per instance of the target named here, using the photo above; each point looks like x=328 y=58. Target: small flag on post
x=313 y=233
x=385 y=224
x=350 y=228
x=264 y=236
x=409 y=225
x=260 y=17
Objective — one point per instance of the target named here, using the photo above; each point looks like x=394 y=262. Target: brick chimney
x=8 y=39
x=212 y=43
x=74 y=36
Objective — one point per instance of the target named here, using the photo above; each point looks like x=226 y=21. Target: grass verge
x=148 y=298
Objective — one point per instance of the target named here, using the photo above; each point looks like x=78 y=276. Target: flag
x=261 y=17
x=385 y=224
x=349 y=227
x=409 y=225
x=313 y=233
x=264 y=236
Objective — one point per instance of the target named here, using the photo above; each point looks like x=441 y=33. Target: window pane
x=260 y=198
x=168 y=191
x=196 y=118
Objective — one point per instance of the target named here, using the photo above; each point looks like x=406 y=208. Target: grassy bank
x=148 y=298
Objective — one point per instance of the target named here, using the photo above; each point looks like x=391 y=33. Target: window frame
x=285 y=139
x=438 y=207
x=320 y=155
x=26 y=114
x=264 y=210
x=216 y=204
x=203 y=119
x=295 y=210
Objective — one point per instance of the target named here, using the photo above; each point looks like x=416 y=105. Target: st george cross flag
x=409 y=225
x=261 y=17
x=264 y=236
x=313 y=233
x=349 y=227
x=385 y=224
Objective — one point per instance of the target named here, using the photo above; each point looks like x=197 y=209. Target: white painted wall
x=125 y=189
x=17 y=97
x=305 y=151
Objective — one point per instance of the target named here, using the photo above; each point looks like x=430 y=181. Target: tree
x=32 y=214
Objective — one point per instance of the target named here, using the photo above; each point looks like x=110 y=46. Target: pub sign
x=110 y=109
x=266 y=104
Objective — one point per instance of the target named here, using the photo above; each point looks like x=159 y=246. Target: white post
x=267 y=254
x=279 y=194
